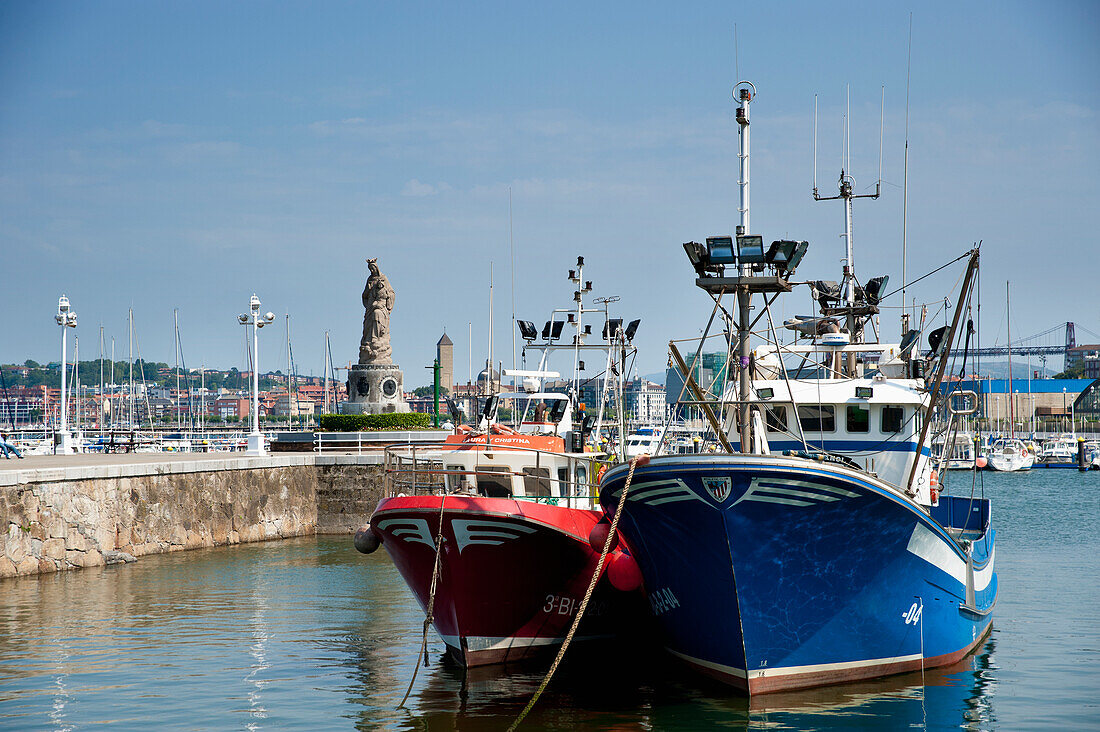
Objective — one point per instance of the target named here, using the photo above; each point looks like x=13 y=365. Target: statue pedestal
x=375 y=388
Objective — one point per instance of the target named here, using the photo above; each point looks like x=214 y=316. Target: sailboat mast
x=130 y=393
x=100 y=416
x=325 y=366
x=76 y=377
x=1011 y=399
x=112 y=413
x=289 y=410
x=176 y=323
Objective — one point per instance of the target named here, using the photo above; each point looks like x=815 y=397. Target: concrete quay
x=62 y=512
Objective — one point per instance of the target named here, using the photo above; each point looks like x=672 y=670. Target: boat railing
x=417 y=470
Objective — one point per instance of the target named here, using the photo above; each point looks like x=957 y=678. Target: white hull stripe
x=729 y=670
x=932 y=549
x=784 y=501
x=657 y=492
x=800 y=494
x=409 y=529
x=469 y=531
x=806 y=484
x=793 y=670
x=503 y=643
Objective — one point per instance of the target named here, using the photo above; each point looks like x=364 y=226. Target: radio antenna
x=736 y=54
x=846 y=185
x=815 y=147
x=905 y=180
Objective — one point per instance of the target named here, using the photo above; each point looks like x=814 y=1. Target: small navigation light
x=580 y=365
x=572 y=274
x=767 y=393
x=242 y=319
x=750 y=249
x=864 y=392
x=632 y=328
x=611 y=327
x=588 y=330
x=527 y=330
x=720 y=250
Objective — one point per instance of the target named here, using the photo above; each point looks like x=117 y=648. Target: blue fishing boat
x=815 y=548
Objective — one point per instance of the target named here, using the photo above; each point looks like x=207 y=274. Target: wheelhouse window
x=456 y=480
x=775 y=419
x=494 y=481
x=892 y=419
x=859 y=419
x=536 y=482
x=817 y=417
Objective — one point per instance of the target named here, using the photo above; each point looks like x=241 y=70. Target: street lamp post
x=66 y=318
x=257 y=321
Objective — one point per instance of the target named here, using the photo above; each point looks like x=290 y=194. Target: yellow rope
x=431 y=605
x=587 y=595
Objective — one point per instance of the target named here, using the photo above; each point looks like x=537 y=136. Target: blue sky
x=183 y=155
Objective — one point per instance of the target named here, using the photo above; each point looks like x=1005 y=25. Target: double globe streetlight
x=257 y=321
x=66 y=318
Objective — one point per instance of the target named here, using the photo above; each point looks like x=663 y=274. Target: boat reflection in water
x=628 y=692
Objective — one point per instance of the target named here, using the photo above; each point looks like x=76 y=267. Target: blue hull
x=782 y=573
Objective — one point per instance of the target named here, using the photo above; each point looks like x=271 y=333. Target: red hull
x=512 y=577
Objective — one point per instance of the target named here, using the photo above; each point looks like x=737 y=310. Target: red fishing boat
x=504 y=520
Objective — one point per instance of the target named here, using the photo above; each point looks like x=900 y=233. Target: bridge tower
x=1071 y=339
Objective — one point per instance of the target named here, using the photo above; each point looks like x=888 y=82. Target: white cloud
x=416 y=189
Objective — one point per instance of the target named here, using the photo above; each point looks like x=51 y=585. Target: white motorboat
x=1009 y=455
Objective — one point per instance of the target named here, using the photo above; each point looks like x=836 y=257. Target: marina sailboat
x=1010 y=454
x=818 y=549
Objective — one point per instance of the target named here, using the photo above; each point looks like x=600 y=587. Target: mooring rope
x=634 y=462
x=431 y=604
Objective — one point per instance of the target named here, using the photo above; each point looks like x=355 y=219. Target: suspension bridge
x=1040 y=343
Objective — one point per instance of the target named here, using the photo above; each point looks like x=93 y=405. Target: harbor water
x=308 y=634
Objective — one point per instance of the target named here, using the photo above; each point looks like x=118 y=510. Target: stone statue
x=378 y=300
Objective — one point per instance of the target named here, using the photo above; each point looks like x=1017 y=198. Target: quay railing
x=422 y=470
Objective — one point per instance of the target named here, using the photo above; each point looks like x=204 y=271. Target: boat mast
x=1011 y=398
x=130 y=394
x=176 y=322
x=76 y=378
x=100 y=415
x=846 y=186
x=111 y=415
x=743 y=93
x=325 y=398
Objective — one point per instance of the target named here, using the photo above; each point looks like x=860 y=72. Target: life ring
x=1023 y=452
x=501 y=429
x=599 y=473
x=934 y=481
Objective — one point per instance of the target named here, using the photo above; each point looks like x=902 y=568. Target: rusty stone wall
x=56 y=524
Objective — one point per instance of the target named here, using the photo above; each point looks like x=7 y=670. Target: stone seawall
x=81 y=516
